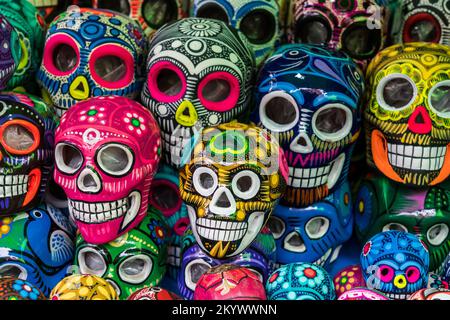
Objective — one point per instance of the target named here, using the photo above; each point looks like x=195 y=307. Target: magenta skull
x=107 y=150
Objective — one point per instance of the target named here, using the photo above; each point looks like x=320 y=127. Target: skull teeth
x=416 y=157
x=218 y=230
x=6 y=71
x=397 y=296
x=174 y=256
x=321 y=261
x=175 y=142
x=13 y=185
x=98 y=212
x=308 y=177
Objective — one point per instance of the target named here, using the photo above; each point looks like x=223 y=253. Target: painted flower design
x=277 y=278
x=200 y=28
x=309 y=275
x=135 y=122
x=25 y=290
x=157 y=233
x=93 y=114
x=5 y=227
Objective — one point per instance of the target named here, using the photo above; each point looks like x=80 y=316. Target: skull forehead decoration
x=300 y=281
x=153 y=293
x=310 y=97
x=91 y=53
x=83 y=287
x=151 y=14
x=231 y=184
x=362 y=294
x=27 y=128
x=431 y=294
x=37 y=246
x=18 y=289
x=27 y=49
x=358 y=27
x=8 y=60
x=132 y=261
x=315 y=233
x=424 y=20
x=395 y=263
x=107 y=151
x=200 y=74
x=348 y=279
x=257 y=21
x=382 y=205
x=408 y=114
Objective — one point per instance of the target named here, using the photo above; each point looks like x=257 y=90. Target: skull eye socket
x=135 y=269
x=439 y=99
x=422 y=27
x=91 y=262
x=205 y=181
x=396 y=92
x=115 y=159
x=166 y=82
x=13 y=270
x=68 y=158
x=313 y=30
x=110 y=68
x=194 y=270
x=258 y=26
x=360 y=42
x=412 y=274
x=165 y=197
x=437 y=234
x=385 y=273
x=158 y=12
x=212 y=11
x=245 y=184
x=20 y=137
x=65 y=57
x=393 y=226
x=294 y=242
x=317 y=227
x=169 y=82
x=278 y=111
x=332 y=122
x=276 y=226
x=121 y=6
x=219 y=91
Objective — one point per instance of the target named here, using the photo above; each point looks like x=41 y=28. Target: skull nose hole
x=80 y=87
x=88 y=181
x=186 y=112
x=420 y=119
x=302 y=141
x=223 y=201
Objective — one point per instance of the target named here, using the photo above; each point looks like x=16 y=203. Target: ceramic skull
x=107 y=151
x=8 y=58
x=200 y=74
x=230 y=184
x=90 y=53
x=309 y=96
x=407 y=118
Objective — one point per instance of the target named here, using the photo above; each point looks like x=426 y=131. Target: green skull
x=383 y=205
x=29 y=25
x=133 y=261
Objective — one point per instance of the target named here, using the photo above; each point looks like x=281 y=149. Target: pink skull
x=107 y=150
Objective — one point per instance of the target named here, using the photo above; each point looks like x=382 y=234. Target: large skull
x=408 y=113
x=315 y=233
x=231 y=184
x=8 y=62
x=200 y=74
x=27 y=128
x=90 y=53
x=257 y=21
x=358 y=27
x=310 y=97
x=107 y=150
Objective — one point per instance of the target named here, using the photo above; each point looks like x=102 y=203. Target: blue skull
x=310 y=96
x=395 y=263
x=300 y=281
x=316 y=233
x=165 y=196
x=37 y=246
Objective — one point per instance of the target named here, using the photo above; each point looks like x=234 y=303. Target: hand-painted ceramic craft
x=132 y=261
x=151 y=14
x=165 y=197
x=395 y=263
x=229 y=282
x=37 y=245
x=200 y=74
x=257 y=21
x=91 y=53
x=362 y=294
x=83 y=287
x=27 y=49
x=348 y=279
x=316 y=116
x=445 y=272
x=357 y=27
x=231 y=182
x=153 y=293
x=430 y=294
x=107 y=151
x=195 y=262
x=407 y=114
x=18 y=289
x=9 y=41
x=315 y=233
x=27 y=139
x=300 y=281
x=382 y=204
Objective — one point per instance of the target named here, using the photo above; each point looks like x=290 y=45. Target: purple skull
x=8 y=38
